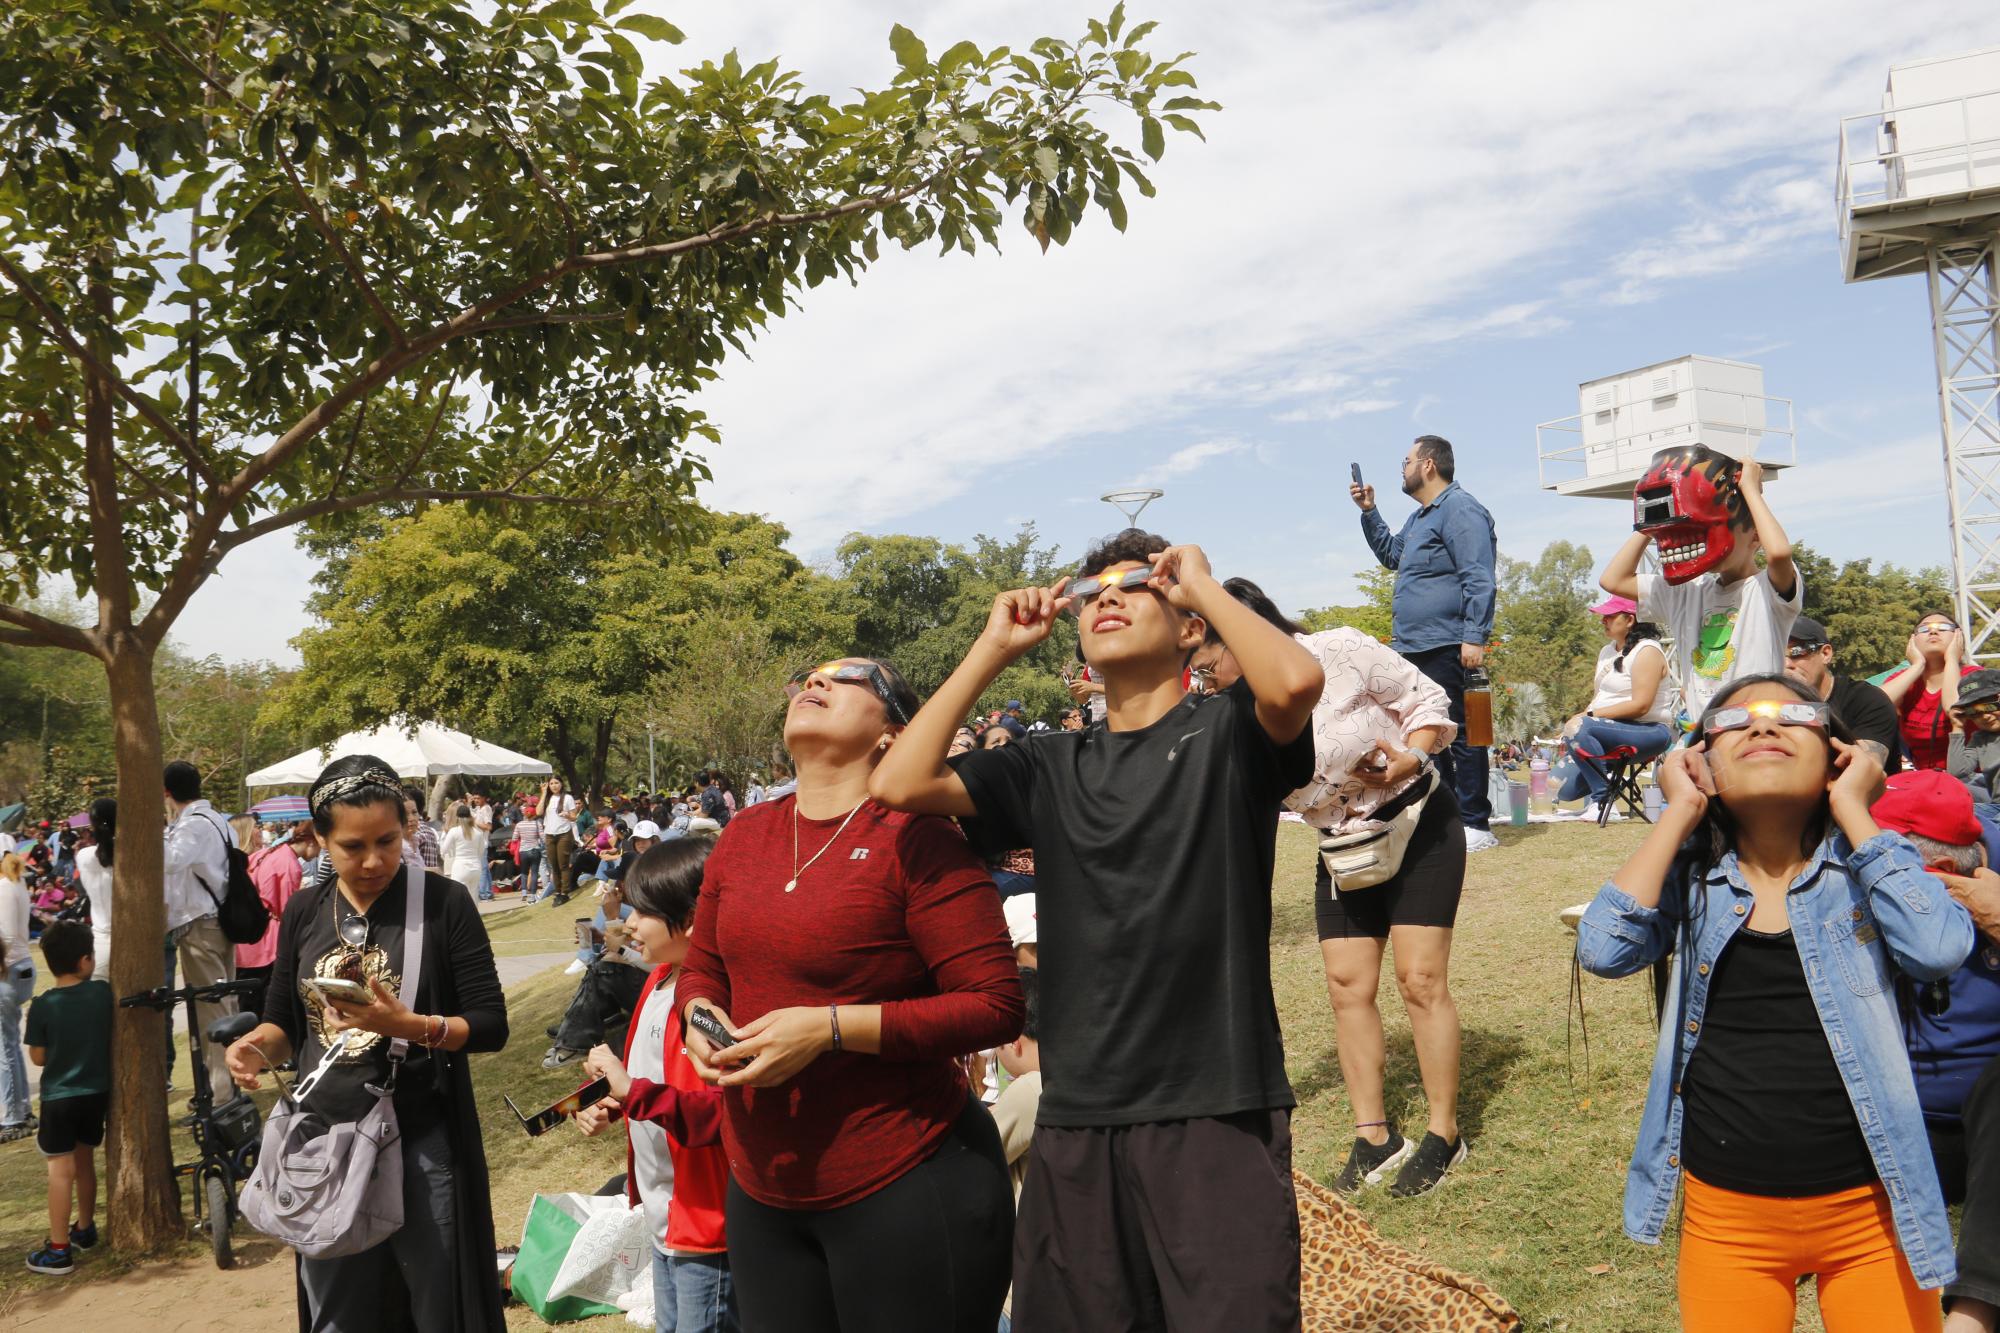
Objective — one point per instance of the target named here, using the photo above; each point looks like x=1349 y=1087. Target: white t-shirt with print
x=1720 y=632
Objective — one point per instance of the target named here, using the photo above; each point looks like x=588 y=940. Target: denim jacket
x=1857 y=915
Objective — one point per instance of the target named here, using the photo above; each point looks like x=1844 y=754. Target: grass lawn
x=1534 y=1210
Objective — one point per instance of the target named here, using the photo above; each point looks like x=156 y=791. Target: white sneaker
x=1569 y=916
x=1593 y=811
x=1479 y=840
x=577 y=967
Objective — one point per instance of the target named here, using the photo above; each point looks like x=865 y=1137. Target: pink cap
x=1612 y=606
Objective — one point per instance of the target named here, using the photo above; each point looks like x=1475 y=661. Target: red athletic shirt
x=895 y=911
x=691 y=1113
x=1927 y=727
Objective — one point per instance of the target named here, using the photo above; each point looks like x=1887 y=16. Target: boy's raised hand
x=1751 y=477
x=1175 y=572
x=1024 y=617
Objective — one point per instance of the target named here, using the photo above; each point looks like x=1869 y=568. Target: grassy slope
x=1533 y=1211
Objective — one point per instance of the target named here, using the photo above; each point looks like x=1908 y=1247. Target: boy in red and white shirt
x=675 y=1168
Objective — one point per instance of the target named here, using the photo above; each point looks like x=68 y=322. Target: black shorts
x=1185 y=1224
x=71 y=1121
x=1425 y=892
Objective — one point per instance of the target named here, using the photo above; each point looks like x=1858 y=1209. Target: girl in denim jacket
x=1780 y=1088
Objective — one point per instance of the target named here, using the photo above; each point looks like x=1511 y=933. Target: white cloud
x=1335 y=411
x=1195 y=456
x=1766 y=214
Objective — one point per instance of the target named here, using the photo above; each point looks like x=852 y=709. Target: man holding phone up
x=1159 y=1190
x=1442 y=612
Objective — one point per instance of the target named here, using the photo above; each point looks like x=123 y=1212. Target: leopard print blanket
x=1352 y=1281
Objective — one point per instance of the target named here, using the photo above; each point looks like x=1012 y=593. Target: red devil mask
x=1688 y=503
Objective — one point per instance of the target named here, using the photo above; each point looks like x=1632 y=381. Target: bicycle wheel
x=220 y=1205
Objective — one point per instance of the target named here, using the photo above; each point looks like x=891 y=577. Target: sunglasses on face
x=1797 y=650
x=1085 y=590
x=1794 y=714
x=852 y=673
x=1984 y=708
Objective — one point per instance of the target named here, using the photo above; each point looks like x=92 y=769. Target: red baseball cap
x=1930 y=804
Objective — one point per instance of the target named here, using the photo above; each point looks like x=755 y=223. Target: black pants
x=604 y=999
x=1462 y=765
x=409 y=1281
x=926 y=1253
x=1187 y=1226
x=1968 y=1166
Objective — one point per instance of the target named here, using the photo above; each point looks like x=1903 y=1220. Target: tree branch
x=33 y=630
x=347 y=260
x=437 y=419
x=201 y=545
x=286 y=518
x=59 y=329
x=353 y=439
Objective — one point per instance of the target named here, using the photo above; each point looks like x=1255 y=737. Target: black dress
x=434 y=1096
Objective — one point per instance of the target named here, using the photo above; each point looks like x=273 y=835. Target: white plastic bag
x=611 y=1253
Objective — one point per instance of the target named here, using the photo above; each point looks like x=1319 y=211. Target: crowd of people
x=956 y=1029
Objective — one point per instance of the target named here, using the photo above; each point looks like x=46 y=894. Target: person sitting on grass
x=69 y=1036
x=1781 y=1097
x=675 y=1168
x=1160 y=1191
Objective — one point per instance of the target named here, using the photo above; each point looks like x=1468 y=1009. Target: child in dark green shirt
x=69 y=1036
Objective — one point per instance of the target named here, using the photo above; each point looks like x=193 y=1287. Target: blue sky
x=1408 y=218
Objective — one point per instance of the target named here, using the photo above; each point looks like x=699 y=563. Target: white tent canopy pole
x=433 y=751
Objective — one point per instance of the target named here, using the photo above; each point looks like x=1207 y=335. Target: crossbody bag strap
x=413 y=949
x=225 y=864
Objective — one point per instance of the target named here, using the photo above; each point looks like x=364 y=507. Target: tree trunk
x=145 y=1206
x=565 y=757
x=600 y=751
x=434 y=807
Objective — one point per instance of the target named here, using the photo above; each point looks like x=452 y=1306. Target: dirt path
x=181 y=1297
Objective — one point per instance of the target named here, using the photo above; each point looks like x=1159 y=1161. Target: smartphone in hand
x=1354 y=471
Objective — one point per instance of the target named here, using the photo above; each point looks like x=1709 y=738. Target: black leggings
x=930 y=1252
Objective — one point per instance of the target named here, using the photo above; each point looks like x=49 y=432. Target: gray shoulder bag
x=332 y=1188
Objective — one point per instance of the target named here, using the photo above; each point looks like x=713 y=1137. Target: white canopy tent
x=433 y=752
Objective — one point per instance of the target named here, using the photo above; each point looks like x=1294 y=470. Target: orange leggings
x=1742 y=1256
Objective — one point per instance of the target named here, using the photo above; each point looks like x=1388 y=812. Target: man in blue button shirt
x=1442 y=613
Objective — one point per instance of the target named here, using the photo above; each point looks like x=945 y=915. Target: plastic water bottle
x=1517 y=804
x=1656 y=802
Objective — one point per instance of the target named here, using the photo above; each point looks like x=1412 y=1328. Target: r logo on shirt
x=859 y=854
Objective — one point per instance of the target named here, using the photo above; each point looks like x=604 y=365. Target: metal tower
x=1919 y=192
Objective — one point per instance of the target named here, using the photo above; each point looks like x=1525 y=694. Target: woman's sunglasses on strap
x=1797 y=713
x=852 y=673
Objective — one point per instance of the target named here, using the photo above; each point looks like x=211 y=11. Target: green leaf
x=962 y=53
x=1152 y=138
x=909 y=48
x=569 y=11
x=1047 y=164
x=1185 y=125
x=1138 y=34
x=648 y=25
x=1117 y=18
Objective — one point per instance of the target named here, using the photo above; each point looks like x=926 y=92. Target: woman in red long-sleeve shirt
x=866 y=949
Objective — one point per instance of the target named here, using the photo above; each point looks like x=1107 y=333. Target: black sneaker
x=1427 y=1166
x=50 y=1260
x=1370 y=1162
x=10 y=1133
x=83 y=1238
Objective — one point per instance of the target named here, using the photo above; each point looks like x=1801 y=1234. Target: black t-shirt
x=459 y=979
x=1870 y=716
x=1153 y=853
x=1766 y=1111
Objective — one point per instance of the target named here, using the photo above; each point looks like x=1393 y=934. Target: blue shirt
x=1443 y=560
x=1949 y=1050
x=1858 y=916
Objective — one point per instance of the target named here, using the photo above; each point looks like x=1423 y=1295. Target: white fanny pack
x=1363 y=860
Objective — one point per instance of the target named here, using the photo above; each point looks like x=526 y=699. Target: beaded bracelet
x=833 y=1013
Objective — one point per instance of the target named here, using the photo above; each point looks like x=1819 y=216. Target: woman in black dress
x=437 y=1272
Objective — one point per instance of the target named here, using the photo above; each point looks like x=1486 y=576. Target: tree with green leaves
x=1870 y=612
x=1371 y=615
x=230 y=232
x=1545 y=636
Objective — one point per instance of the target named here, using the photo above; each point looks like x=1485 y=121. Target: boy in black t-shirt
x=1160 y=1190
x=69 y=1036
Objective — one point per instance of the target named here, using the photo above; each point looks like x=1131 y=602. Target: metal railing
x=1879 y=173
x=1561 y=448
